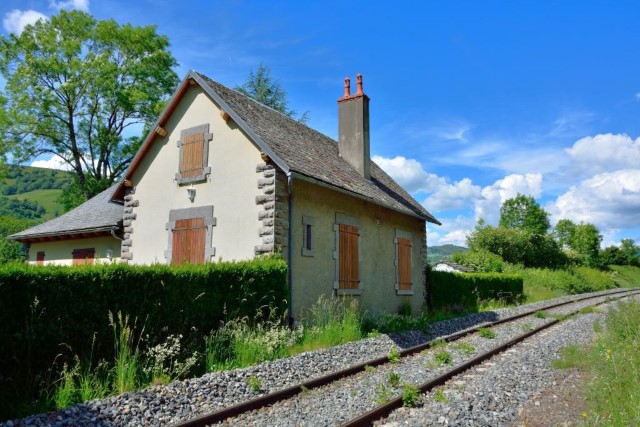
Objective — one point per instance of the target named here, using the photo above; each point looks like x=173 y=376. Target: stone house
x=222 y=177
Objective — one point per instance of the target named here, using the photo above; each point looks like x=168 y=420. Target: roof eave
x=65 y=235
x=325 y=184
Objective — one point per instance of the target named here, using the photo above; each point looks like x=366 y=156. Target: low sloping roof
x=310 y=153
x=97 y=215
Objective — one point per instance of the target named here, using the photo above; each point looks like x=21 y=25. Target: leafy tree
x=74 y=85
x=612 y=255
x=517 y=246
x=11 y=250
x=630 y=252
x=525 y=213
x=563 y=231
x=585 y=240
x=268 y=91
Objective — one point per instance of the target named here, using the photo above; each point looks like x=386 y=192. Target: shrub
x=481 y=260
x=469 y=288
x=41 y=308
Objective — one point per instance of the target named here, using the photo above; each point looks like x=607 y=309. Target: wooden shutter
x=349 y=257
x=189 y=239
x=83 y=256
x=192 y=160
x=40 y=258
x=404 y=264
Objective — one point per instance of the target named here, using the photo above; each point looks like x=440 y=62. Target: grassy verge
x=612 y=363
x=625 y=276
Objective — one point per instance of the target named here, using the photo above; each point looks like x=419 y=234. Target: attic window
x=194 y=154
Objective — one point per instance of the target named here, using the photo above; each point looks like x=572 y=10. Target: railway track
x=355 y=378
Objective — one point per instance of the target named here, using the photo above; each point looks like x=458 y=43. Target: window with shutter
x=40 y=258
x=194 y=154
x=348 y=280
x=404 y=274
x=190 y=233
x=83 y=256
x=349 y=257
x=189 y=237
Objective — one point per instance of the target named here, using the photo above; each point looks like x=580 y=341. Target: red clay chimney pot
x=359 y=80
x=347 y=87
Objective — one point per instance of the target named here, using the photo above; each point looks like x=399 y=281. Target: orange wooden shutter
x=349 y=257
x=192 y=155
x=404 y=264
x=83 y=256
x=189 y=238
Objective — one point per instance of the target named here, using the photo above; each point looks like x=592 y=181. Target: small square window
x=307 y=236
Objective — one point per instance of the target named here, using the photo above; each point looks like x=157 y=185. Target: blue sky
x=471 y=102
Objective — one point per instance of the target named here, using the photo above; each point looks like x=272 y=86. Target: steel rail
x=368 y=418
x=286 y=393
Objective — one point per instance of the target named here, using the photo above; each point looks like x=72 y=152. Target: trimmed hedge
x=468 y=288
x=45 y=311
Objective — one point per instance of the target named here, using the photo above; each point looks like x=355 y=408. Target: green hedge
x=45 y=311
x=468 y=288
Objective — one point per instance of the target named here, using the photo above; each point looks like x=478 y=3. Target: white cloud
x=70 y=4
x=16 y=20
x=452 y=231
x=604 y=153
x=53 y=163
x=453 y=196
x=608 y=200
x=409 y=173
x=488 y=208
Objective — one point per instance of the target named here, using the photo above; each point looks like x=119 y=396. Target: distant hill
x=28 y=192
x=438 y=253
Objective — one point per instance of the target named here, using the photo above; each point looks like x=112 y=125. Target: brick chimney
x=353 y=128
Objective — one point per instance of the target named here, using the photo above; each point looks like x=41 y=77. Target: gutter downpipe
x=290 y=242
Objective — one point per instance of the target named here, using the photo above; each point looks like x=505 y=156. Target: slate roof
x=312 y=154
x=98 y=214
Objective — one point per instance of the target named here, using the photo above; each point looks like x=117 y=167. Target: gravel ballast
x=181 y=400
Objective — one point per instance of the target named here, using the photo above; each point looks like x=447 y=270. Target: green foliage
x=541 y=314
x=572 y=280
x=439 y=253
x=563 y=231
x=627 y=254
x=466 y=348
x=330 y=321
x=24 y=179
x=73 y=87
x=486 y=333
x=394 y=355
x=393 y=379
x=388 y=323
x=481 y=260
x=267 y=91
x=439 y=396
x=524 y=213
x=410 y=395
x=467 y=289
x=443 y=358
x=625 y=276
x=11 y=250
x=517 y=246
x=382 y=393
x=41 y=307
x=21 y=208
x=585 y=240
x=254 y=383
x=613 y=367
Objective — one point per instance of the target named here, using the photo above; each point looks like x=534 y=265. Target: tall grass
x=613 y=367
x=127 y=362
x=626 y=276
